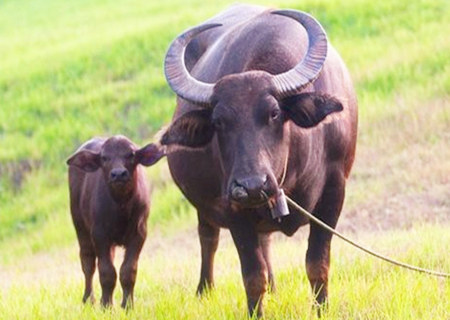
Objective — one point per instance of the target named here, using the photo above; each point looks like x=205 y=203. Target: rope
x=380 y=256
x=283 y=177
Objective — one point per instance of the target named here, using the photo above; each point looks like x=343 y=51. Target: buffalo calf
x=109 y=203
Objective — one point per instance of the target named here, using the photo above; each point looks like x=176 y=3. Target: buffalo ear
x=149 y=155
x=309 y=109
x=85 y=160
x=193 y=129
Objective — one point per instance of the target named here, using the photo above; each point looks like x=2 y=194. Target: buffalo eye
x=130 y=156
x=274 y=115
x=218 y=123
x=105 y=159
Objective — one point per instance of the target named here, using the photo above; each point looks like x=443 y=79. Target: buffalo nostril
x=119 y=174
x=239 y=193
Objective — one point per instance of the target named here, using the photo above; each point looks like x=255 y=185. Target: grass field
x=70 y=70
x=49 y=286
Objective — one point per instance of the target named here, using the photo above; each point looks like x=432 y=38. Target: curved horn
x=308 y=69
x=178 y=77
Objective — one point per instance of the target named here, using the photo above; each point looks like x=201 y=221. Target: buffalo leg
x=253 y=265
x=209 y=240
x=87 y=257
x=107 y=272
x=318 y=254
x=128 y=270
x=264 y=241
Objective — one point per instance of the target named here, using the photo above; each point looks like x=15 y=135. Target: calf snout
x=119 y=175
x=250 y=191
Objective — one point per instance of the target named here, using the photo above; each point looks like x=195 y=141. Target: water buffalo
x=109 y=203
x=264 y=103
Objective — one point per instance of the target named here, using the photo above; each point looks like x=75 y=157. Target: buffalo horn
x=286 y=84
x=307 y=70
x=178 y=77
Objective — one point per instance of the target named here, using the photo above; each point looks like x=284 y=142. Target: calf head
x=118 y=158
x=248 y=113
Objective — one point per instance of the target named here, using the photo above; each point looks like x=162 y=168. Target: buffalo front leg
x=209 y=240
x=107 y=272
x=264 y=241
x=318 y=254
x=128 y=270
x=253 y=265
x=87 y=258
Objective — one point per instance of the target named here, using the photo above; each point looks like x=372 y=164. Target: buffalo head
x=248 y=112
x=117 y=158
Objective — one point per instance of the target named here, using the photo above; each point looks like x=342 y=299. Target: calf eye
x=105 y=159
x=130 y=156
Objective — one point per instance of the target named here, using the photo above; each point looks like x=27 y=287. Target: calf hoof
x=321 y=308
x=127 y=304
x=106 y=303
x=255 y=310
x=89 y=298
x=204 y=288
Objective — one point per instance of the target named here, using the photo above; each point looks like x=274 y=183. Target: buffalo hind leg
x=253 y=264
x=209 y=240
x=264 y=241
x=128 y=270
x=318 y=254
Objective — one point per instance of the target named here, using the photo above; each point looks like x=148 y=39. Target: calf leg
x=209 y=240
x=318 y=254
x=107 y=272
x=87 y=257
x=128 y=270
x=253 y=265
x=264 y=241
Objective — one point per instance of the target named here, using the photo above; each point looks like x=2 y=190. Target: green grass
x=360 y=287
x=73 y=70
x=70 y=70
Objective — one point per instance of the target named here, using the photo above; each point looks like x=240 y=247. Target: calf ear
x=85 y=160
x=309 y=109
x=193 y=129
x=149 y=155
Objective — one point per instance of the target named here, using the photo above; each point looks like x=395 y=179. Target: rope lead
x=380 y=256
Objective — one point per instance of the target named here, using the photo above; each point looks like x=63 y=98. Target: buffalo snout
x=251 y=191
x=119 y=175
